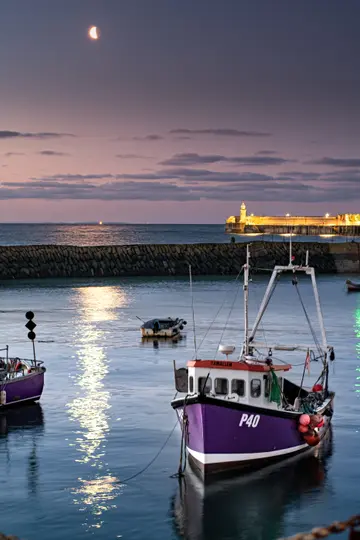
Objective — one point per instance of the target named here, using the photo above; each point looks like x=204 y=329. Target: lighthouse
x=243 y=213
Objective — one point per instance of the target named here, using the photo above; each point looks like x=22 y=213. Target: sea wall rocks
x=59 y=261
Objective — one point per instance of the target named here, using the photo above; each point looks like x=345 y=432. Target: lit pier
x=339 y=225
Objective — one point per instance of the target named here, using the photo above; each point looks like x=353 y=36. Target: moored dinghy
x=351 y=286
x=245 y=413
x=162 y=328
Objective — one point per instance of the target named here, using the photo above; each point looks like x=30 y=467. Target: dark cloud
x=52 y=153
x=75 y=177
x=155 y=191
x=221 y=132
x=204 y=175
x=11 y=154
x=337 y=162
x=190 y=184
x=299 y=175
x=265 y=190
x=131 y=156
x=151 y=137
x=196 y=159
x=265 y=152
x=41 y=135
x=186 y=175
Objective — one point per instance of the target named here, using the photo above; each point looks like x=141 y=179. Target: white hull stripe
x=206 y=459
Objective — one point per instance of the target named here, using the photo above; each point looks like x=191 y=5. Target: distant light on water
x=100 y=222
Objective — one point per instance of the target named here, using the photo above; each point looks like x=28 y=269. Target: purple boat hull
x=222 y=436
x=22 y=389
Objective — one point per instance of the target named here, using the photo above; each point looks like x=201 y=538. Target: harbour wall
x=300 y=230
x=60 y=261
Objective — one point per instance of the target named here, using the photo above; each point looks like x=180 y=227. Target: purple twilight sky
x=181 y=110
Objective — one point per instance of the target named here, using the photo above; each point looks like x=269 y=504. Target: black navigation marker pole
x=30 y=325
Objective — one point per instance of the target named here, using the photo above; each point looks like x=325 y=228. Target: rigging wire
x=220 y=308
x=192 y=309
x=227 y=320
x=261 y=324
x=316 y=341
x=278 y=359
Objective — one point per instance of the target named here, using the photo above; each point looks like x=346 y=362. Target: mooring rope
x=151 y=461
x=336 y=527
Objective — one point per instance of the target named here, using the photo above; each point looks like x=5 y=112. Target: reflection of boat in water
x=156 y=343
x=28 y=416
x=248 y=507
x=26 y=422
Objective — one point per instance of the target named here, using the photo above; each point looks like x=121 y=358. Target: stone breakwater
x=59 y=261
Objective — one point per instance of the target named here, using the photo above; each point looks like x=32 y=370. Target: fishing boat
x=351 y=286
x=246 y=414
x=21 y=380
x=162 y=328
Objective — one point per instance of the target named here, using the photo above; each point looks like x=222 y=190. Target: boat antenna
x=246 y=299
x=192 y=309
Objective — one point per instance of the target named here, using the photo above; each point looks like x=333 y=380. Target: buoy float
x=315 y=420
x=304 y=419
x=309 y=428
x=312 y=440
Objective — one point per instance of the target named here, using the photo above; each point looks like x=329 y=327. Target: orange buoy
x=312 y=437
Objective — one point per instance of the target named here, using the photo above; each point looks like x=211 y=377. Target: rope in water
x=335 y=528
x=135 y=475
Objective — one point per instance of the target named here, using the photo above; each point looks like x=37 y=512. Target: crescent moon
x=93 y=32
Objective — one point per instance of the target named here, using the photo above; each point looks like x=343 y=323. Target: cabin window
x=204 y=385
x=255 y=388
x=221 y=387
x=238 y=387
x=191 y=385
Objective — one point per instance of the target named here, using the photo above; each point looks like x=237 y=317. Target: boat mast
x=246 y=303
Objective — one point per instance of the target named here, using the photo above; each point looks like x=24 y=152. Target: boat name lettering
x=220 y=363
x=250 y=420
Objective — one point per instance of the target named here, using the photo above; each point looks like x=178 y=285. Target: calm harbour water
x=105 y=412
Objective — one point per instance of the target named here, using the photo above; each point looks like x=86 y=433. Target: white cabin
x=241 y=382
